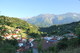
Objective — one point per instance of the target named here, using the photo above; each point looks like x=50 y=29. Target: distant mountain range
x=46 y=20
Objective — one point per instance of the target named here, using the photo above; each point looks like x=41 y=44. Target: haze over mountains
x=45 y=20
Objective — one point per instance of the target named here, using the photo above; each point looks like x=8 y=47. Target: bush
x=7 y=48
x=51 y=48
x=62 y=45
x=73 y=42
x=12 y=42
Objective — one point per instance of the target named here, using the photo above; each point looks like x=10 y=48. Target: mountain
x=46 y=20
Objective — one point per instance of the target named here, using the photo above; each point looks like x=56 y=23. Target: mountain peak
x=44 y=20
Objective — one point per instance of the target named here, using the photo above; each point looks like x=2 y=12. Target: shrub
x=62 y=45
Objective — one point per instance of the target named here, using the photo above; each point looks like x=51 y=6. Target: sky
x=30 y=8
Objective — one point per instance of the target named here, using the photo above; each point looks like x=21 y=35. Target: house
x=11 y=36
x=18 y=38
x=30 y=41
x=70 y=35
x=47 y=38
x=17 y=30
x=60 y=37
x=20 y=43
x=24 y=39
x=50 y=39
x=14 y=35
x=7 y=36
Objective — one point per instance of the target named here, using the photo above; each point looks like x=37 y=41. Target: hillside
x=61 y=29
x=75 y=50
x=46 y=20
x=12 y=23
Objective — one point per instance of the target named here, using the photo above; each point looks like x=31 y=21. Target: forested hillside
x=16 y=22
x=62 y=29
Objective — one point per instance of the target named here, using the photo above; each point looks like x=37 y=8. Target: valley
x=25 y=37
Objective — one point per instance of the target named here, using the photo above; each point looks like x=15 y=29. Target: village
x=26 y=44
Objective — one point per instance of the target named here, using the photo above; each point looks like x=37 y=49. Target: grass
x=75 y=50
